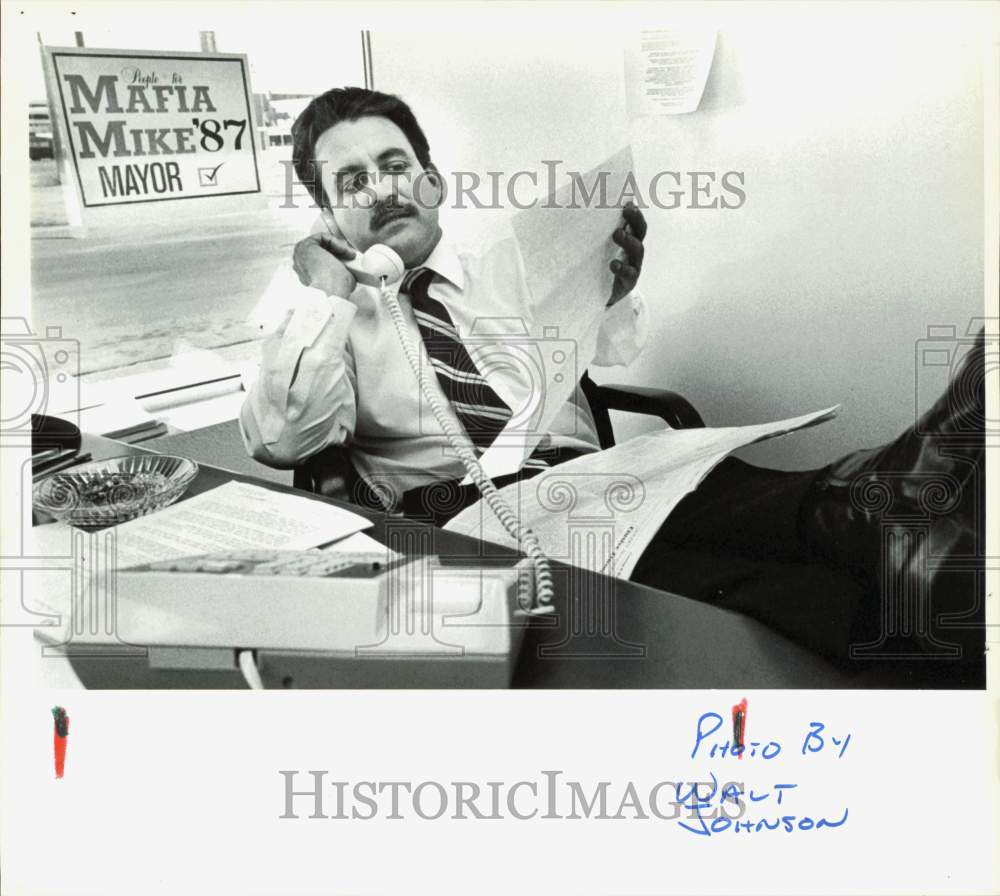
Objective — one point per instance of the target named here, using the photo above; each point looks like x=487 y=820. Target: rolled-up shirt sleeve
x=304 y=397
x=623 y=332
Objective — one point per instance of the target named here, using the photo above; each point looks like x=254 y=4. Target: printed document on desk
x=231 y=517
x=633 y=487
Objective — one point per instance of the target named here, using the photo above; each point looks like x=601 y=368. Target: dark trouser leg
x=900 y=530
x=912 y=513
x=734 y=542
x=743 y=509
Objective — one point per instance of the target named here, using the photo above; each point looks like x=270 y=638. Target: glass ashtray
x=107 y=492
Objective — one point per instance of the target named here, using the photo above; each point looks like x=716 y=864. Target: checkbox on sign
x=209 y=177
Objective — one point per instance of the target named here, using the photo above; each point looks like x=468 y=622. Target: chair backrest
x=602 y=418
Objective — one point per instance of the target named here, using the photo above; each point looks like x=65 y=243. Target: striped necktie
x=479 y=409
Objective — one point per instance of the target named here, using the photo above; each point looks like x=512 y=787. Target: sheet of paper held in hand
x=633 y=486
x=565 y=245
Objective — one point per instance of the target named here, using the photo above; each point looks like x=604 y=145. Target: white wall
x=862 y=152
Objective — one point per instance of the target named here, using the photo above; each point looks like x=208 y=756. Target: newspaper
x=601 y=511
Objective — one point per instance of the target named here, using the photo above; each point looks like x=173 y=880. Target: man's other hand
x=629 y=237
x=318 y=261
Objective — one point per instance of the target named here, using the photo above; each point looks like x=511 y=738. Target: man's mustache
x=388 y=211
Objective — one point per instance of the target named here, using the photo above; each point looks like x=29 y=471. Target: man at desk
x=789 y=548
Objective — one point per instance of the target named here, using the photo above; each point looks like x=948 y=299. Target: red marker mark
x=739 y=725
x=59 y=738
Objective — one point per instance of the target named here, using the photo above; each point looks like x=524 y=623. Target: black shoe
x=904 y=514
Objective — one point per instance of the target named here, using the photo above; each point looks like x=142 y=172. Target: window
x=160 y=298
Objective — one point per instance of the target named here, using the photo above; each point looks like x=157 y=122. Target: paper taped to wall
x=666 y=70
x=619 y=497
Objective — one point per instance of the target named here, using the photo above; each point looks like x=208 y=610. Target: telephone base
x=289 y=669
x=402 y=623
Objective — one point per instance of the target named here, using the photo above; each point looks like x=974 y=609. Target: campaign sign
x=150 y=127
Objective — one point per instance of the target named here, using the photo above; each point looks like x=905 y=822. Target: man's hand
x=629 y=237
x=318 y=260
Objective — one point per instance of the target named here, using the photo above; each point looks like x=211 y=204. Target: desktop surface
x=604 y=633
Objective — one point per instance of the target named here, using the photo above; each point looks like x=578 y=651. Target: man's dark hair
x=348 y=104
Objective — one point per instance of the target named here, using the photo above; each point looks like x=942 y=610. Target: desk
x=656 y=640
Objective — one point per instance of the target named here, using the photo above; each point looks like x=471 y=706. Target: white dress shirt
x=335 y=373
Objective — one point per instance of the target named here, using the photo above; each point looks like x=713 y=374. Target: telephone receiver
x=376 y=264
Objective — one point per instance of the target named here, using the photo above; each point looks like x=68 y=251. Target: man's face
x=378 y=191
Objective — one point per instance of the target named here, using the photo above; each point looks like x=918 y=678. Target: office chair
x=331 y=473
